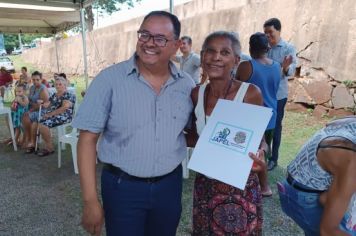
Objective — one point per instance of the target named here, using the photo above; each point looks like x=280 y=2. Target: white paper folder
x=233 y=130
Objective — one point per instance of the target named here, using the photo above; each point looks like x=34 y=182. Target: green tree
x=108 y=6
x=12 y=40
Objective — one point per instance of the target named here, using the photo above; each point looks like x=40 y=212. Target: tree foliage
x=11 y=41
x=107 y=6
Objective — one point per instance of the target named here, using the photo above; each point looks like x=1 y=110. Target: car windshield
x=4 y=59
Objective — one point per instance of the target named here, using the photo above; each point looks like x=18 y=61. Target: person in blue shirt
x=284 y=53
x=265 y=74
x=140 y=108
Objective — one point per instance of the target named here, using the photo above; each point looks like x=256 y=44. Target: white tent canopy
x=39 y=16
x=44 y=16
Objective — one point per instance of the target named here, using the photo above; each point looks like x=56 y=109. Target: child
x=18 y=107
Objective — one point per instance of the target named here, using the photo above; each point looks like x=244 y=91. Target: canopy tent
x=44 y=16
x=39 y=16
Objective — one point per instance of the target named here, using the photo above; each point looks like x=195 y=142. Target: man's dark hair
x=63 y=75
x=171 y=17
x=24 y=68
x=187 y=38
x=273 y=22
x=37 y=73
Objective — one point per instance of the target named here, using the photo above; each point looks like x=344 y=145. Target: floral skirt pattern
x=57 y=120
x=221 y=209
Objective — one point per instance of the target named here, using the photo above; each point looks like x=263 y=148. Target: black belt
x=292 y=182
x=122 y=174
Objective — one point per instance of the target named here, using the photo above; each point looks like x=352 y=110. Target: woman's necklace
x=206 y=96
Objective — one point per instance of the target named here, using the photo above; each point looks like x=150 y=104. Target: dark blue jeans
x=304 y=208
x=138 y=208
x=277 y=134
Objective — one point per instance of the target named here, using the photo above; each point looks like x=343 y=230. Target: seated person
x=24 y=80
x=5 y=80
x=321 y=181
x=59 y=110
x=38 y=93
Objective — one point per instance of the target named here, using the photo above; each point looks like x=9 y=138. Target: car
x=17 y=51
x=7 y=63
x=3 y=52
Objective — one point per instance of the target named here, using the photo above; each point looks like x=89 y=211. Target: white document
x=233 y=130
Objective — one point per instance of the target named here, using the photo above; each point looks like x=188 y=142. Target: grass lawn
x=298 y=127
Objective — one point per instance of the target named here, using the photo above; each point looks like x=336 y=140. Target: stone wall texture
x=323 y=32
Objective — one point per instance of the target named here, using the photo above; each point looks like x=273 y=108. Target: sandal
x=267 y=193
x=6 y=140
x=44 y=152
x=30 y=150
x=9 y=143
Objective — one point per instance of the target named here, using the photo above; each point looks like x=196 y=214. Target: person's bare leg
x=17 y=135
x=26 y=123
x=33 y=134
x=46 y=136
x=265 y=188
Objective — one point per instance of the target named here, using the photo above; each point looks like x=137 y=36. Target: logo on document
x=231 y=137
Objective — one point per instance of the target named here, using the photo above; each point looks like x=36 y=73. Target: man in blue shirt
x=284 y=53
x=141 y=107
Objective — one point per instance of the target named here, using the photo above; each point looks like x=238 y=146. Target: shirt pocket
x=181 y=105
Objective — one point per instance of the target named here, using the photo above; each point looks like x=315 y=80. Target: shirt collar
x=281 y=43
x=132 y=68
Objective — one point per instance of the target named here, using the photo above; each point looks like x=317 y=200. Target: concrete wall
x=323 y=31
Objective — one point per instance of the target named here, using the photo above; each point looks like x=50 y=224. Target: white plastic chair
x=9 y=92
x=71 y=139
x=68 y=138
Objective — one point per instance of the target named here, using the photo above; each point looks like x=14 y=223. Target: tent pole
x=82 y=23
x=171 y=5
x=57 y=57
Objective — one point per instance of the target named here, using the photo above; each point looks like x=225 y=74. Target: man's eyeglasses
x=159 y=40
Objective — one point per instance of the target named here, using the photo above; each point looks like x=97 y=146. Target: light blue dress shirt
x=142 y=132
x=278 y=53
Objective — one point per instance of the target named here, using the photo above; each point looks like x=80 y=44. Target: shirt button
x=157 y=139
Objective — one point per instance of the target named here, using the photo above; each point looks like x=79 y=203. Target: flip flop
x=44 y=152
x=9 y=143
x=267 y=193
x=30 y=150
x=5 y=141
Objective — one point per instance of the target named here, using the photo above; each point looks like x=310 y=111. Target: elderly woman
x=219 y=208
x=319 y=193
x=59 y=110
x=38 y=93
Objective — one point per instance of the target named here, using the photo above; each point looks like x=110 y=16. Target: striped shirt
x=142 y=132
x=278 y=53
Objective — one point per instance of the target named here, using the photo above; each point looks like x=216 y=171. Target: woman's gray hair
x=63 y=80
x=235 y=42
